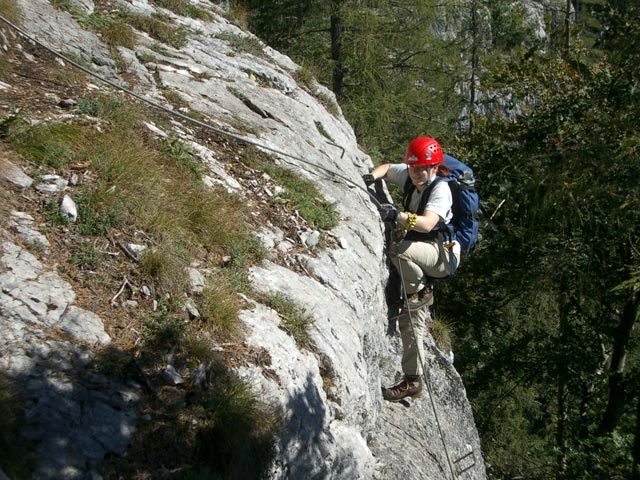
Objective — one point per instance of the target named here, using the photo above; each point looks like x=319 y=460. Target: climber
x=424 y=252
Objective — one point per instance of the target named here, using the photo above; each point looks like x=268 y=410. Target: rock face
x=336 y=423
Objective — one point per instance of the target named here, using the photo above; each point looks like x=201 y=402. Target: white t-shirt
x=440 y=200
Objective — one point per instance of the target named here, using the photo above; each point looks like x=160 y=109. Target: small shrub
x=295 y=319
x=160 y=49
x=304 y=76
x=329 y=104
x=441 y=332
x=164 y=329
x=322 y=131
x=145 y=58
x=238 y=14
x=238 y=94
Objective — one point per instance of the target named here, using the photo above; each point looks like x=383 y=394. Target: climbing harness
x=193 y=120
x=470 y=455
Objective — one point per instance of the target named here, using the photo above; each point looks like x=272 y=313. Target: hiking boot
x=427 y=294
x=415 y=301
x=409 y=387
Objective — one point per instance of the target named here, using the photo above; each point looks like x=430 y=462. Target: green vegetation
x=184 y=8
x=243 y=43
x=114 y=29
x=87 y=256
x=239 y=428
x=301 y=194
x=306 y=198
x=295 y=320
x=160 y=28
x=139 y=184
x=183 y=155
x=50 y=145
x=546 y=344
x=10 y=10
x=219 y=306
x=323 y=131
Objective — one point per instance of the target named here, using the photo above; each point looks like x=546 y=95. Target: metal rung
x=461 y=469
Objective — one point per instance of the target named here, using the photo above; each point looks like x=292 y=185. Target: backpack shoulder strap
x=409 y=188
x=407 y=191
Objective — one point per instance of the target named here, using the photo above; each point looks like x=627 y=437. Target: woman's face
x=421 y=175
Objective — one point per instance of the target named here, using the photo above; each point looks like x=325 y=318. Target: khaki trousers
x=412 y=339
x=416 y=261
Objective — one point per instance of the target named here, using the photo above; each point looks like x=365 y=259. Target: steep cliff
x=335 y=423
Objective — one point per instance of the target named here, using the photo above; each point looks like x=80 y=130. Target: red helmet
x=423 y=151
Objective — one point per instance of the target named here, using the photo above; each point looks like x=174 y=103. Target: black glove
x=368 y=179
x=388 y=213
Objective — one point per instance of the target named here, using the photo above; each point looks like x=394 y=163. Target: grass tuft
x=295 y=320
x=159 y=27
x=166 y=265
x=185 y=9
x=114 y=30
x=10 y=10
x=243 y=43
x=239 y=428
x=302 y=194
x=49 y=145
x=183 y=155
x=441 y=331
x=219 y=306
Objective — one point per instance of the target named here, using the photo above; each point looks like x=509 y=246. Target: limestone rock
x=336 y=424
x=68 y=208
x=14 y=175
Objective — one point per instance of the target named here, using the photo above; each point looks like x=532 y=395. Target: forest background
x=543 y=312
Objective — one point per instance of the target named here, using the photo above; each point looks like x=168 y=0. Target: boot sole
x=415 y=395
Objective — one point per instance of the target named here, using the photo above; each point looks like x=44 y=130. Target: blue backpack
x=466 y=202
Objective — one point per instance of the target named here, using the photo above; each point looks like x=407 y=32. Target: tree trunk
x=562 y=389
x=635 y=474
x=336 y=49
x=474 y=63
x=621 y=338
x=567 y=23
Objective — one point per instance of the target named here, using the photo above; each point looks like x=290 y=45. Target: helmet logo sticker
x=412 y=159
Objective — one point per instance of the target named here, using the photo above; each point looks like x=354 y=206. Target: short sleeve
x=440 y=201
x=397 y=173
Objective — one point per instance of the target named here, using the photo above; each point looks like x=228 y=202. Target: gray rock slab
x=14 y=174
